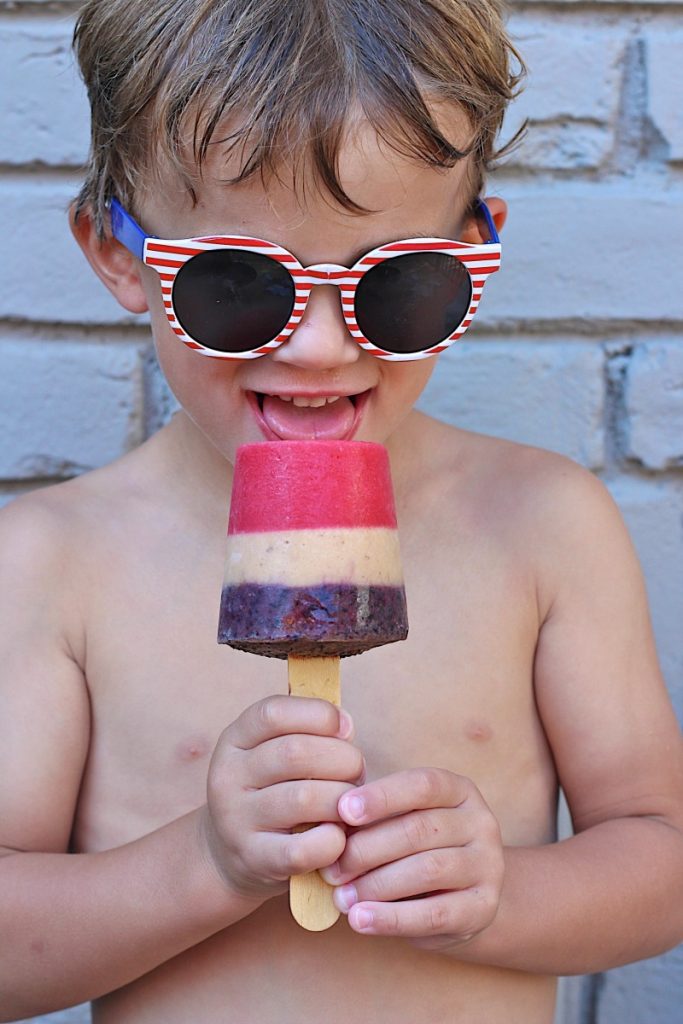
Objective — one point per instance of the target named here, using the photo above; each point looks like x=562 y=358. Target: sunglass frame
x=168 y=256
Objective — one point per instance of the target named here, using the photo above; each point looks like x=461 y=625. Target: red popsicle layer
x=295 y=485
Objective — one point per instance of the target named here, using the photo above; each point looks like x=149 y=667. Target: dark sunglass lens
x=232 y=300
x=410 y=303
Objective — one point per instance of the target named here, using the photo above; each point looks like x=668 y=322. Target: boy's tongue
x=329 y=422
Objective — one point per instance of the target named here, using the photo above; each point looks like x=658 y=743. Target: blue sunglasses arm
x=126 y=230
x=486 y=213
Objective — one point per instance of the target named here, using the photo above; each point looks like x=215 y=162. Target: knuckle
x=291 y=752
x=224 y=740
x=294 y=860
x=432 y=869
x=418 y=832
x=270 y=713
x=302 y=798
x=330 y=713
x=438 y=917
x=489 y=827
x=429 y=785
x=356 y=856
x=221 y=785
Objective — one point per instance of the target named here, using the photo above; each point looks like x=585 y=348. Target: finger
x=400 y=837
x=405 y=791
x=278 y=715
x=432 y=871
x=460 y=915
x=300 y=756
x=278 y=856
x=288 y=804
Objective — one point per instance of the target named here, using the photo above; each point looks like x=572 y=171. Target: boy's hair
x=283 y=76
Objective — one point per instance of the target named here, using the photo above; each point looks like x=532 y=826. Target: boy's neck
x=196 y=471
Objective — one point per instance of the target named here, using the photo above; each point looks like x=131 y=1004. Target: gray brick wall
x=579 y=348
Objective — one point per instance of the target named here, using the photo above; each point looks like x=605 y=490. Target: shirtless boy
x=150 y=778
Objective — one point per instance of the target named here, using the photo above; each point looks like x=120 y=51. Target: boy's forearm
x=607 y=896
x=77 y=926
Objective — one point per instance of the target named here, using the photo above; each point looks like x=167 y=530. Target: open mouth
x=308 y=417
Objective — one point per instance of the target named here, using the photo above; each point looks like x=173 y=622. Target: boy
x=152 y=779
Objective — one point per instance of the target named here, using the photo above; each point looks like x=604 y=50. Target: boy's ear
x=114 y=265
x=472 y=229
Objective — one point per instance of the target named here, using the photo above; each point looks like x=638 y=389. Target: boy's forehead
x=396 y=189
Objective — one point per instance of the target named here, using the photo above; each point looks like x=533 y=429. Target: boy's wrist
x=220 y=892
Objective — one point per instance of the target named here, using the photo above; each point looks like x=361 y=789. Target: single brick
x=545 y=393
x=654 y=404
x=571 y=114
x=566 y=144
x=584 y=252
x=66 y=406
x=46 y=115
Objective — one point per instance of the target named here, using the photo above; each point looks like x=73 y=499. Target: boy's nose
x=321 y=340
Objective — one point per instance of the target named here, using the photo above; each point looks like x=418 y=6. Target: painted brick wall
x=579 y=348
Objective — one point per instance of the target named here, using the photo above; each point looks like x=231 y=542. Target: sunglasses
x=239 y=298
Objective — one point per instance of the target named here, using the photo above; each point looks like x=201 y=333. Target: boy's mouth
x=290 y=417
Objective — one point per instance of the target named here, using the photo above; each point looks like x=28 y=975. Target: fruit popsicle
x=313 y=565
x=313 y=573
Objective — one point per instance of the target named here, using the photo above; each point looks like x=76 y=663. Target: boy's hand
x=284 y=762
x=425 y=861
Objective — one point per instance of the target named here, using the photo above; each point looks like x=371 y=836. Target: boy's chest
x=457 y=694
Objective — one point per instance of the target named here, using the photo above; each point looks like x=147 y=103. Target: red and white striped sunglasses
x=238 y=298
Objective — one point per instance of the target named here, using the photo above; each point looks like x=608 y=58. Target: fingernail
x=345 y=897
x=353 y=808
x=345 y=725
x=364 y=919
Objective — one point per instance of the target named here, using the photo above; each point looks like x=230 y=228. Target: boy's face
x=319 y=383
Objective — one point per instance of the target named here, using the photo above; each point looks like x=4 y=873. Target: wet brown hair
x=164 y=77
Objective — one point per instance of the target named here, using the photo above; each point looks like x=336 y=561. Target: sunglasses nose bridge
x=326 y=273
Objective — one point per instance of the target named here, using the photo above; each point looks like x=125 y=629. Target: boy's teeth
x=309 y=403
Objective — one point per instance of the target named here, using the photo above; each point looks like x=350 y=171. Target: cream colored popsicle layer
x=367 y=557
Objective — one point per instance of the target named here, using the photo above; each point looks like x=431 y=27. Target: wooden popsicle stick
x=310 y=897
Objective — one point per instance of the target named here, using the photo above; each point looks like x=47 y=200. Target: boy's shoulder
x=55 y=528
x=553 y=512
x=524 y=480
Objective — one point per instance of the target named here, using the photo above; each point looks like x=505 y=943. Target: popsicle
x=313 y=573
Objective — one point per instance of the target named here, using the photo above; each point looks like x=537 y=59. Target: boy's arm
x=74 y=926
x=613 y=892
